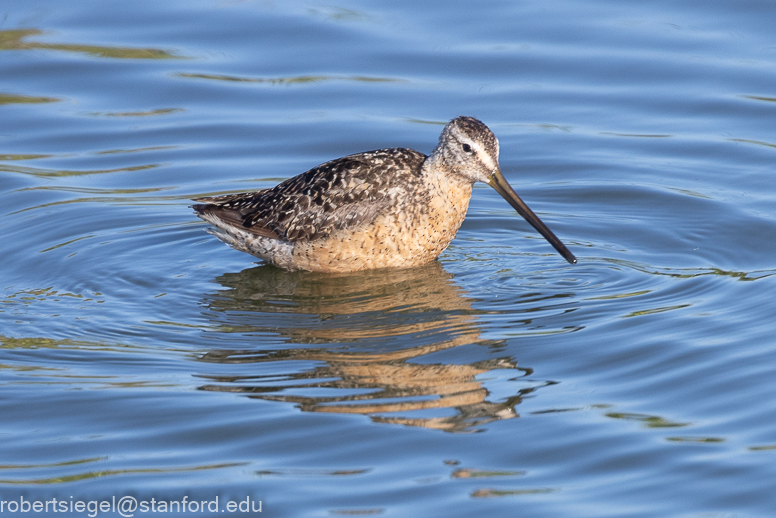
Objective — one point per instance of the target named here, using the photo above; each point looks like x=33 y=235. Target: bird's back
x=344 y=193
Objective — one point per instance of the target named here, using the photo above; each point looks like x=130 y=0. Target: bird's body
x=386 y=208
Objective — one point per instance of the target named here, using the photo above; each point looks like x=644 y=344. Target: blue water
x=140 y=357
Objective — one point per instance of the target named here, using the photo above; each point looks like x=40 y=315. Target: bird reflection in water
x=368 y=334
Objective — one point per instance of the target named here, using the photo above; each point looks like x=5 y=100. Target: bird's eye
x=467 y=148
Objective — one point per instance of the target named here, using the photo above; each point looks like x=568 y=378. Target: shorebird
x=389 y=208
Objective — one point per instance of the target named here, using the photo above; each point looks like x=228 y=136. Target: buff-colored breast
x=413 y=232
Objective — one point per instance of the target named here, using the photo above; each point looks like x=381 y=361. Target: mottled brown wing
x=343 y=193
x=226 y=199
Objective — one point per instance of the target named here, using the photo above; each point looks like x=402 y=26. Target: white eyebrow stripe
x=484 y=155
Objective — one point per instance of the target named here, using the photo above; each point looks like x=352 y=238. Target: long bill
x=499 y=183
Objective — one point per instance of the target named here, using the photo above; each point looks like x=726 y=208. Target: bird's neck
x=435 y=165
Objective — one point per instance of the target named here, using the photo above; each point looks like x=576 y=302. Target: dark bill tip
x=499 y=183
